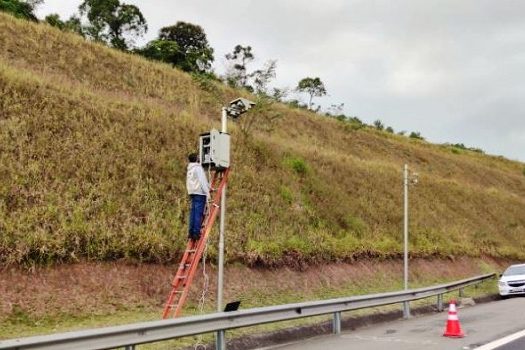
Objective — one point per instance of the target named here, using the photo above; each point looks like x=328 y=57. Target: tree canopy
x=313 y=87
x=195 y=53
x=20 y=9
x=161 y=50
x=113 y=22
x=237 y=76
x=73 y=24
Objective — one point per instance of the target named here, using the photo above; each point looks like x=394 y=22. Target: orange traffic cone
x=453 y=329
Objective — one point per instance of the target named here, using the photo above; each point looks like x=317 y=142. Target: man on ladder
x=198 y=190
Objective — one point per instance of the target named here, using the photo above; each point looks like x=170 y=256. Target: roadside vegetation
x=92 y=163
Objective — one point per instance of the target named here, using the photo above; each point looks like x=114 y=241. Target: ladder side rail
x=177 y=281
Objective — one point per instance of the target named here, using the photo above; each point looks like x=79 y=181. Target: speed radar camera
x=238 y=107
x=214 y=150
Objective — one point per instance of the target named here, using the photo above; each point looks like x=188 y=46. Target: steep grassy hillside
x=92 y=165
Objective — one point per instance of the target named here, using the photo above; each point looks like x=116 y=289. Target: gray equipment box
x=214 y=149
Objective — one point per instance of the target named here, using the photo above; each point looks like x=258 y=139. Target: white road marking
x=502 y=341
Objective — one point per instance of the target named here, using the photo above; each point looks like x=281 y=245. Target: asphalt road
x=515 y=345
x=482 y=324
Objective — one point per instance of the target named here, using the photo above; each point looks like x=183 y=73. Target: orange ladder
x=194 y=249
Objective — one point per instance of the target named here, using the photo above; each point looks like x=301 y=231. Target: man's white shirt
x=196 y=181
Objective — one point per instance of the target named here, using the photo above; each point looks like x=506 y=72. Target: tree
x=390 y=130
x=113 y=22
x=73 y=24
x=279 y=94
x=196 y=55
x=20 y=9
x=313 y=87
x=161 y=50
x=262 y=77
x=237 y=76
x=378 y=125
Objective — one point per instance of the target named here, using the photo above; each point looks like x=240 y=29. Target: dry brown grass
x=92 y=148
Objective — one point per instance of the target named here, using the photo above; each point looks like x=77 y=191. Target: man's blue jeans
x=198 y=204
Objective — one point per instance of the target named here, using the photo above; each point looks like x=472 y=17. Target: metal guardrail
x=128 y=336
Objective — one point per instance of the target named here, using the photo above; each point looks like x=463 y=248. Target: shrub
x=477 y=150
x=286 y=194
x=523 y=171
x=354 y=123
x=416 y=135
x=356 y=225
x=297 y=164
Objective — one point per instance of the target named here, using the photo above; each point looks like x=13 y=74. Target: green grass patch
x=297 y=164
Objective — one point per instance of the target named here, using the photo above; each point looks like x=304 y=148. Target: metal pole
x=336 y=323
x=406 y=307
x=224 y=120
x=221 y=251
x=440 y=302
x=220 y=277
x=220 y=339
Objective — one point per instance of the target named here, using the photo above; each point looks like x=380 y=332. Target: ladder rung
x=181 y=277
x=191 y=250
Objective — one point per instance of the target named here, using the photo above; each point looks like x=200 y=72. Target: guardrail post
x=336 y=323
x=129 y=347
x=221 y=340
x=461 y=293
x=406 y=309
x=440 y=302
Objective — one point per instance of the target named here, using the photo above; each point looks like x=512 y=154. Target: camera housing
x=238 y=107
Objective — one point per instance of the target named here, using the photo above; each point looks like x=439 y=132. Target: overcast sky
x=453 y=70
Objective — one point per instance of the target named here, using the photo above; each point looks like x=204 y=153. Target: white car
x=512 y=281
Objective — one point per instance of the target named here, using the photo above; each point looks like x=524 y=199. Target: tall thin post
x=406 y=308
x=221 y=251
x=220 y=277
x=220 y=338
